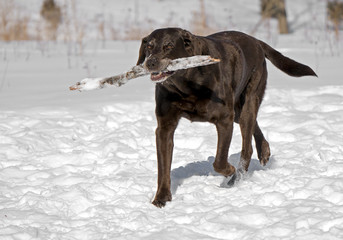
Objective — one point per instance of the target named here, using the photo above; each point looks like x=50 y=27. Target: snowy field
x=83 y=165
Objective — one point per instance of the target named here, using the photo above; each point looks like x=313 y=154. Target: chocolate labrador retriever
x=224 y=93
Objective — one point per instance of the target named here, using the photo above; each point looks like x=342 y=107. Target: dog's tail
x=286 y=64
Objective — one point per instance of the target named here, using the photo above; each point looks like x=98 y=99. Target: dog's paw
x=159 y=203
x=161 y=199
x=238 y=176
x=264 y=153
x=232 y=180
x=264 y=161
x=227 y=170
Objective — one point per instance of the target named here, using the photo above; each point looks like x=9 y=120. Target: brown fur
x=222 y=94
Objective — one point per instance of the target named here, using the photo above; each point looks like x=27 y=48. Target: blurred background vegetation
x=59 y=20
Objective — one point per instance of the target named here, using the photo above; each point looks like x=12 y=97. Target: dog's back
x=251 y=46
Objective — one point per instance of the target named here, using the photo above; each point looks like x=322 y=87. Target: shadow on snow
x=205 y=168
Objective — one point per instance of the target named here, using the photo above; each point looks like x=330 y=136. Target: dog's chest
x=196 y=101
x=203 y=110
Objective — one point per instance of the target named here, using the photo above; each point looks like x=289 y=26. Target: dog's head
x=163 y=45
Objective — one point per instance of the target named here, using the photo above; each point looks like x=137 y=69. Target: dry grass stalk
x=13 y=24
x=199 y=23
x=101 y=30
x=335 y=14
x=136 y=33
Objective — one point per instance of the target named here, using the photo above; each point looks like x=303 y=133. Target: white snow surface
x=83 y=165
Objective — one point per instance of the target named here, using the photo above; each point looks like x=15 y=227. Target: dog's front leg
x=224 y=130
x=165 y=144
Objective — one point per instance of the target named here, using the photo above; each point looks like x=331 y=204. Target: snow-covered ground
x=83 y=165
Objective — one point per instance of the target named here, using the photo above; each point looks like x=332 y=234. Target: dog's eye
x=150 y=46
x=168 y=46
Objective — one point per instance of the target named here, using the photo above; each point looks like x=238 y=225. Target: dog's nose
x=151 y=63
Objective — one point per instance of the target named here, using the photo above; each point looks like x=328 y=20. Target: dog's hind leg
x=247 y=120
x=247 y=124
x=262 y=146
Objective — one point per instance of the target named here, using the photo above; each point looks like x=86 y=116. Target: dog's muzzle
x=160 y=76
x=158 y=69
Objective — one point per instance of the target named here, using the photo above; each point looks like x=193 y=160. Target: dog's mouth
x=160 y=76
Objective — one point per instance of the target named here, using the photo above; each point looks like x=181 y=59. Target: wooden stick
x=139 y=70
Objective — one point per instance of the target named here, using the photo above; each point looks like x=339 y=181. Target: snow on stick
x=139 y=70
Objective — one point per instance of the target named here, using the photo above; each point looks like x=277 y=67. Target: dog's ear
x=188 y=41
x=142 y=54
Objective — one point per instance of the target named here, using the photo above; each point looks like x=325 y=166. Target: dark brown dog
x=222 y=94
